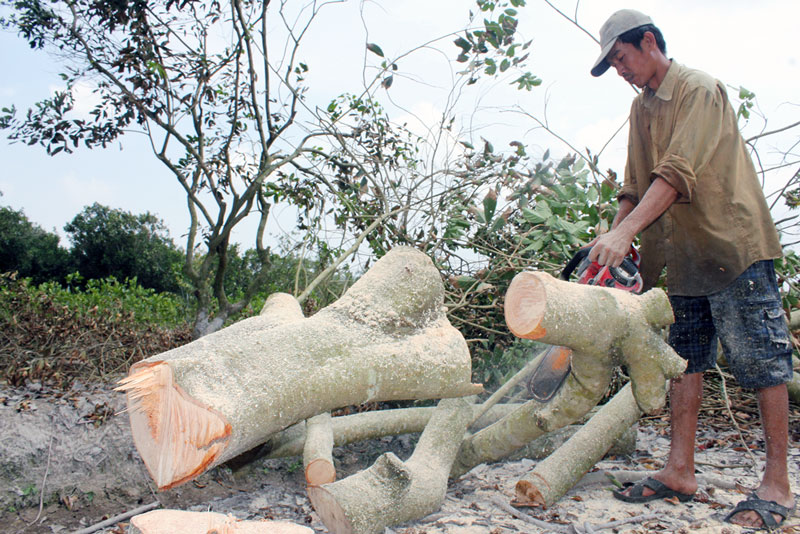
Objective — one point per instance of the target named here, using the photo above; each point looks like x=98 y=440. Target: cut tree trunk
x=556 y=474
x=387 y=338
x=604 y=328
x=182 y=522
x=391 y=491
x=598 y=322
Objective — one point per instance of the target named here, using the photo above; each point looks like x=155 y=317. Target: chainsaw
x=556 y=362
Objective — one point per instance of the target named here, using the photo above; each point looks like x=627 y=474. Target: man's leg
x=751 y=325
x=685 y=394
x=773 y=403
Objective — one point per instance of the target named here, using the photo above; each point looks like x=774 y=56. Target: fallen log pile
x=272 y=381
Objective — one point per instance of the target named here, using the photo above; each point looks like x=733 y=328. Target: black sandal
x=764 y=509
x=660 y=491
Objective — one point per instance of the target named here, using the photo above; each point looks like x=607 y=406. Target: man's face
x=634 y=65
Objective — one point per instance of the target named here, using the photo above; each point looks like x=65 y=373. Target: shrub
x=57 y=335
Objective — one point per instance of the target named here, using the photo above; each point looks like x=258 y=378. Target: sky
x=741 y=42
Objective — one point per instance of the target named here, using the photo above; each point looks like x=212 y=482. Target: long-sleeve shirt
x=686 y=133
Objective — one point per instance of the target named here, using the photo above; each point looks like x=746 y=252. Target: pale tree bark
x=545 y=445
x=560 y=471
x=599 y=322
x=372 y=425
x=392 y=491
x=605 y=328
x=183 y=522
x=387 y=338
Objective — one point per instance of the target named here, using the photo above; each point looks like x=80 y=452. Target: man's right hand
x=611 y=248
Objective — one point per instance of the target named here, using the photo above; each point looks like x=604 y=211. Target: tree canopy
x=111 y=242
x=30 y=250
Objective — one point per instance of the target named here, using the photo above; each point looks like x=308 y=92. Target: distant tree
x=111 y=242
x=30 y=250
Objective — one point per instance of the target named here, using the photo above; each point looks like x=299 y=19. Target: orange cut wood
x=177 y=437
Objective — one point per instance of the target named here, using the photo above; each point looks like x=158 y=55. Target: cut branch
x=556 y=474
x=367 y=425
x=183 y=522
x=392 y=491
x=613 y=325
x=318 y=451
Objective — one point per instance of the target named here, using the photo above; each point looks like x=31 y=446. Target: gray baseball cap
x=617 y=24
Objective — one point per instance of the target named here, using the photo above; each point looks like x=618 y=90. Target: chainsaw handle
x=574 y=262
x=629 y=266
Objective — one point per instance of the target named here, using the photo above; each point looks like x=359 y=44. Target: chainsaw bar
x=550 y=374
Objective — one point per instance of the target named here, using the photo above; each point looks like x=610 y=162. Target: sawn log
x=604 y=328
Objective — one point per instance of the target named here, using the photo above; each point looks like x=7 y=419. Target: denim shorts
x=747 y=318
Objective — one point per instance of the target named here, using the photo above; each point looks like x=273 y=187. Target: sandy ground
x=70 y=454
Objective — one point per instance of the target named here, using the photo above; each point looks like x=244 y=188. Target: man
x=691 y=190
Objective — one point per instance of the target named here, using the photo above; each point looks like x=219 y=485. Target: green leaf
x=463 y=44
x=387 y=82
x=156 y=67
x=498 y=224
x=375 y=49
x=489 y=205
x=465 y=282
x=538 y=215
x=535 y=246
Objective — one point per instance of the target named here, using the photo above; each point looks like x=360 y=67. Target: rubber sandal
x=764 y=509
x=660 y=491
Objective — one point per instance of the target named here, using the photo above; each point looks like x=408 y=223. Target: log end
x=527 y=494
x=180 y=522
x=319 y=472
x=525 y=305
x=331 y=513
x=177 y=437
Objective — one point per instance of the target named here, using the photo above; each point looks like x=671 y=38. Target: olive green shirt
x=686 y=133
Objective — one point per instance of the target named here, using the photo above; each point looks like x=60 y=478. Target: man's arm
x=612 y=247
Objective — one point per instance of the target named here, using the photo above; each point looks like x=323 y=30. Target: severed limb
x=556 y=474
x=604 y=328
x=392 y=491
x=183 y=522
x=318 y=451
